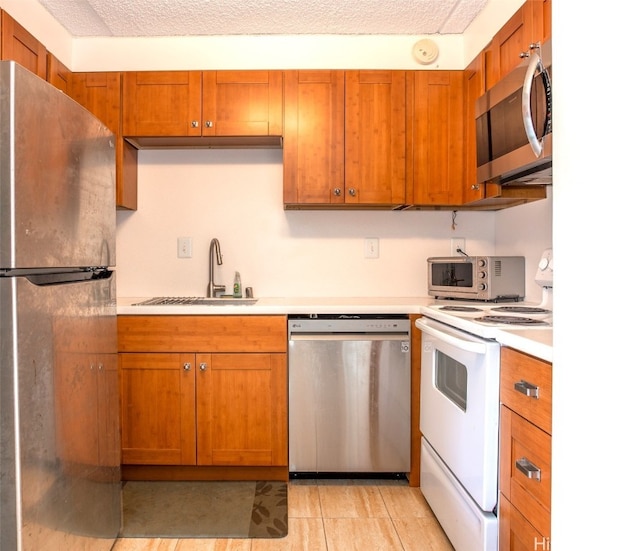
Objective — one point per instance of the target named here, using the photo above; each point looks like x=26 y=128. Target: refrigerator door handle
x=68 y=277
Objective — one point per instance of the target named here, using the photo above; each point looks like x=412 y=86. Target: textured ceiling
x=120 y=18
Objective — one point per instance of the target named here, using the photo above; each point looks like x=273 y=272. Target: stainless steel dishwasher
x=349 y=394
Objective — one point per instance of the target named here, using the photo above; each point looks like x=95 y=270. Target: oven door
x=459 y=406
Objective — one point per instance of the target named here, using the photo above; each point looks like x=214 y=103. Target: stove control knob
x=482 y=275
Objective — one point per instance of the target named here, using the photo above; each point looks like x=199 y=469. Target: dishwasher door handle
x=349 y=336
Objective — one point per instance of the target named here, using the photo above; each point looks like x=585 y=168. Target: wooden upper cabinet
x=242 y=103
x=313 y=148
x=100 y=93
x=162 y=103
x=529 y=25
x=22 y=47
x=435 y=118
x=196 y=103
x=375 y=138
x=344 y=138
x=58 y=74
x=473 y=88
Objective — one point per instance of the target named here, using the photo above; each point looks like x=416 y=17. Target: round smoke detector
x=425 y=51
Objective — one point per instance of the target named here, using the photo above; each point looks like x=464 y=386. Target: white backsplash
x=236 y=196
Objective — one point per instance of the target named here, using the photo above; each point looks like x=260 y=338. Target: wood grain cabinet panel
x=101 y=94
x=525 y=451
x=197 y=103
x=375 y=140
x=58 y=74
x=157 y=400
x=313 y=148
x=204 y=390
x=344 y=138
x=22 y=47
x=435 y=125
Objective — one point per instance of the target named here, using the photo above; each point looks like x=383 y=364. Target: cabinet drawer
x=516 y=533
x=202 y=333
x=525 y=468
x=520 y=374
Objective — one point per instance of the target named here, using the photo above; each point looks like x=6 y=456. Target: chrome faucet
x=214 y=251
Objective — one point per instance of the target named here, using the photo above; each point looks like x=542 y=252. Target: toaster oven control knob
x=482 y=263
x=482 y=275
x=482 y=287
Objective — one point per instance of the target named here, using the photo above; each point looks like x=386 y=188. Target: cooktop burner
x=511 y=320
x=460 y=309
x=521 y=310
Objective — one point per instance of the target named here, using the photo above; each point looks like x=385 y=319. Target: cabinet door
x=435 y=137
x=57 y=74
x=162 y=103
x=242 y=103
x=375 y=141
x=473 y=89
x=157 y=393
x=242 y=409
x=313 y=155
x=22 y=47
x=100 y=93
x=514 y=39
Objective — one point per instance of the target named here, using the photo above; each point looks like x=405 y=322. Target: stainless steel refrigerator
x=59 y=425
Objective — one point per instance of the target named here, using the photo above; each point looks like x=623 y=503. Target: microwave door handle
x=535 y=63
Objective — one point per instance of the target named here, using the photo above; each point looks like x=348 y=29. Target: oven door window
x=451 y=379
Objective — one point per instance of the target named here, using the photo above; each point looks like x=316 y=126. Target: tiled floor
x=334 y=515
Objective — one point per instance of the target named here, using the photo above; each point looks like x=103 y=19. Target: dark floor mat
x=204 y=509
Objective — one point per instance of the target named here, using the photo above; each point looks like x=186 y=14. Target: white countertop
x=287 y=305
x=537 y=342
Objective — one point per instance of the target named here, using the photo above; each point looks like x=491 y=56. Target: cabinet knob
x=337 y=192
x=187 y=366
x=208 y=124
x=194 y=124
x=352 y=192
x=203 y=366
x=475 y=187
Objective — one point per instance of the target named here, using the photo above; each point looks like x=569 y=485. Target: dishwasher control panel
x=349 y=323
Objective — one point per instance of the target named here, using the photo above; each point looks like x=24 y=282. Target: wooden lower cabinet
x=525 y=452
x=214 y=408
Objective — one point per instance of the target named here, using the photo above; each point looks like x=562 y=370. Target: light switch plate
x=371 y=247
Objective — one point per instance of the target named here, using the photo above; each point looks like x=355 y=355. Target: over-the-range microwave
x=488 y=278
x=513 y=124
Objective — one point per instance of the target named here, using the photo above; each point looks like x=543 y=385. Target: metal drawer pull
x=527 y=389
x=528 y=469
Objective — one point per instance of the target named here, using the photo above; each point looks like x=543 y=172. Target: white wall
x=255 y=52
x=236 y=196
x=596 y=370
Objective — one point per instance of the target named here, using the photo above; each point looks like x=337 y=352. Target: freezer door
x=59 y=416
x=57 y=178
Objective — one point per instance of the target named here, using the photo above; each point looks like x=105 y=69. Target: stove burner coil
x=521 y=309
x=460 y=309
x=511 y=320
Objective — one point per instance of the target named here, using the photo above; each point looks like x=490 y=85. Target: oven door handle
x=453 y=340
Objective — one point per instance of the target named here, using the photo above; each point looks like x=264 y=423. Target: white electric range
x=460 y=384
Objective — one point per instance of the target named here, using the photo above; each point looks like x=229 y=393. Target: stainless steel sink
x=196 y=301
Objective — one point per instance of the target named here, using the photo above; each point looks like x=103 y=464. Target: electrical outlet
x=184 y=247
x=371 y=247
x=457 y=243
